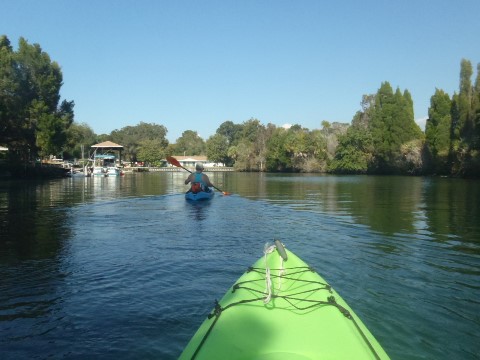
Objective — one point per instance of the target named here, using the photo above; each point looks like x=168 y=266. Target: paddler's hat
x=199 y=166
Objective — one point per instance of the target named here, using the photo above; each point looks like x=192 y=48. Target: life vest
x=198 y=185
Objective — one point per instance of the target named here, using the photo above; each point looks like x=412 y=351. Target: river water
x=125 y=268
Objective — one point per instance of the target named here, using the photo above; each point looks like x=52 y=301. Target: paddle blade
x=223 y=192
x=173 y=161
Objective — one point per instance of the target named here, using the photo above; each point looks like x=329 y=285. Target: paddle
x=175 y=162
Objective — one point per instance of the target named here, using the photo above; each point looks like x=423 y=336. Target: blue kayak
x=202 y=195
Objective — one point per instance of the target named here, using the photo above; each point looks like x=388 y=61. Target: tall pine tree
x=464 y=155
x=392 y=125
x=437 y=131
x=476 y=111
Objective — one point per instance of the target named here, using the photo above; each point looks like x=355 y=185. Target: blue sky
x=192 y=65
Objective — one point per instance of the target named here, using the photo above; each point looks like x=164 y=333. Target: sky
x=192 y=65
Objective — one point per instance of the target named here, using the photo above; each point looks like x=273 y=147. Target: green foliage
x=464 y=155
x=231 y=131
x=476 y=111
x=249 y=151
x=293 y=149
x=326 y=140
x=410 y=159
x=437 y=131
x=250 y=130
x=10 y=100
x=217 y=149
x=190 y=143
x=296 y=147
x=392 y=125
x=277 y=158
x=354 y=152
x=80 y=137
x=41 y=78
x=383 y=136
x=243 y=154
x=466 y=72
x=151 y=151
x=50 y=130
x=31 y=119
x=131 y=137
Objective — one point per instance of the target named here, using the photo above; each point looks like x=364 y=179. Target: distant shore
x=50 y=171
x=176 y=169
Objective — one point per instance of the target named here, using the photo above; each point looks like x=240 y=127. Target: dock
x=176 y=169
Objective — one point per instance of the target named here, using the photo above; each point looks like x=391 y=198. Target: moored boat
x=106 y=160
x=281 y=309
x=105 y=165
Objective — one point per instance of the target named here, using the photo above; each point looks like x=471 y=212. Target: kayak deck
x=200 y=196
x=282 y=309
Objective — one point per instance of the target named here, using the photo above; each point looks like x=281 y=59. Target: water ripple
x=106 y=270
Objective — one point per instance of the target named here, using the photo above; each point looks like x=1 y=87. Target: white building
x=190 y=161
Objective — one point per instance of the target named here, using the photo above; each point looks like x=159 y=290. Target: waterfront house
x=190 y=161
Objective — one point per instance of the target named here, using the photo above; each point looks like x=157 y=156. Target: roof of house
x=107 y=144
x=191 y=158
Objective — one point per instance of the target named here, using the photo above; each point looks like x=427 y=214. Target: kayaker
x=198 y=177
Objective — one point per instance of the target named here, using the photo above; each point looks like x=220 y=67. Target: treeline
x=383 y=137
x=452 y=130
x=33 y=121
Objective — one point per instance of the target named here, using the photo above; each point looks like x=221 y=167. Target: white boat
x=105 y=160
x=105 y=165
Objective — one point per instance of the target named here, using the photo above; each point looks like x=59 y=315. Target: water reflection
x=30 y=226
x=442 y=208
x=84 y=261
x=33 y=233
x=197 y=210
x=412 y=242
x=449 y=206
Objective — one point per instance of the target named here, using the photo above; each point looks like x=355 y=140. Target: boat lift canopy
x=107 y=146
